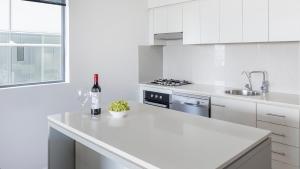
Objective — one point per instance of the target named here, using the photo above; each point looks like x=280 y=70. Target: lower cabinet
x=235 y=111
x=283 y=122
x=281 y=165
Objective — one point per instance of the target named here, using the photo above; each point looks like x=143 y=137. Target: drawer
x=280 y=165
x=286 y=154
x=278 y=115
x=281 y=134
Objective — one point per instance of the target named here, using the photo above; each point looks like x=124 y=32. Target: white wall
x=104 y=38
x=223 y=64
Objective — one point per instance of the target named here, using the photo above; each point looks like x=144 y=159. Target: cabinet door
x=174 y=18
x=191 y=23
x=210 y=21
x=284 y=20
x=151 y=27
x=4 y=15
x=160 y=20
x=24 y=17
x=234 y=111
x=255 y=20
x=231 y=21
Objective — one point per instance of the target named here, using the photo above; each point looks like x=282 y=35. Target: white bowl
x=118 y=114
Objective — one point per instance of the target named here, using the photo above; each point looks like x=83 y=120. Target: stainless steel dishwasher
x=192 y=104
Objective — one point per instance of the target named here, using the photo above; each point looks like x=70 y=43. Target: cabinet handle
x=276 y=115
x=218 y=105
x=280 y=135
x=279 y=153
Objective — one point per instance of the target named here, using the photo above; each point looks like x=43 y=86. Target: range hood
x=169 y=36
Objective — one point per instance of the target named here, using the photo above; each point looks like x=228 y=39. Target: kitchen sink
x=243 y=92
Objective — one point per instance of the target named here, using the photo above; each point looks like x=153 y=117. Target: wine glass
x=83 y=98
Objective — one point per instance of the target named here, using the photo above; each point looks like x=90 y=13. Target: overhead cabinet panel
x=174 y=18
x=4 y=15
x=151 y=27
x=255 y=20
x=168 y=19
x=160 y=20
x=231 y=21
x=191 y=23
x=284 y=20
x=210 y=21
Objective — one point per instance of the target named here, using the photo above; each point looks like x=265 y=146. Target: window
x=31 y=43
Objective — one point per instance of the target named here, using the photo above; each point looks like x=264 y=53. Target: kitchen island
x=152 y=137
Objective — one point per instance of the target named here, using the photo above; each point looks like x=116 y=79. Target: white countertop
x=153 y=137
x=280 y=99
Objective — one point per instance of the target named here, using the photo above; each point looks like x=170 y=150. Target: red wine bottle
x=96 y=97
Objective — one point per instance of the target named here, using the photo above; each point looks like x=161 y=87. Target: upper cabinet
x=210 y=21
x=231 y=21
x=255 y=20
x=284 y=20
x=168 y=19
x=160 y=20
x=24 y=17
x=191 y=23
x=4 y=15
x=201 y=22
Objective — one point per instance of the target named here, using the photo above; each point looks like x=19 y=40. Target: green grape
x=119 y=106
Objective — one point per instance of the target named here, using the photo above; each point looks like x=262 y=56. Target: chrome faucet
x=249 y=85
x=265 y=83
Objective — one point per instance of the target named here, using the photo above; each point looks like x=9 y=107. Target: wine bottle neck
x=96 y=79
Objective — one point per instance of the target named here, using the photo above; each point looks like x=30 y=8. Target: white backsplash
x=223 y=64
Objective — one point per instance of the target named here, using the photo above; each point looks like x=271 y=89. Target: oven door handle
x=156 y=104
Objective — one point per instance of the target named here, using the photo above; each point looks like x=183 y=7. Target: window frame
x=63 y=52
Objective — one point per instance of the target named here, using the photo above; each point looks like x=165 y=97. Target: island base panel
x=61 y=151
x=257 y=158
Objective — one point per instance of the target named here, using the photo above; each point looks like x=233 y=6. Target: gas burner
x=170 y=82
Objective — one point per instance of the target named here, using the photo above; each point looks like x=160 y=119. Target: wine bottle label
x=95 y=100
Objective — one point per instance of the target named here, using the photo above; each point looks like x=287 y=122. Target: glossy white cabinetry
x=201 y=22
x=191 y=23
x=174 y=18
x=160 y=20
x=151 y=27
x=286 y=154
x=24 y=17
x=210 y=21
x=281 y=134
x=255 y=20
x=231 y=21
x=168 y=19
x=235 y=111
x=284 y=20
x=278 y=115
x=281 y=165
x=4 y=15
x=284 y=124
